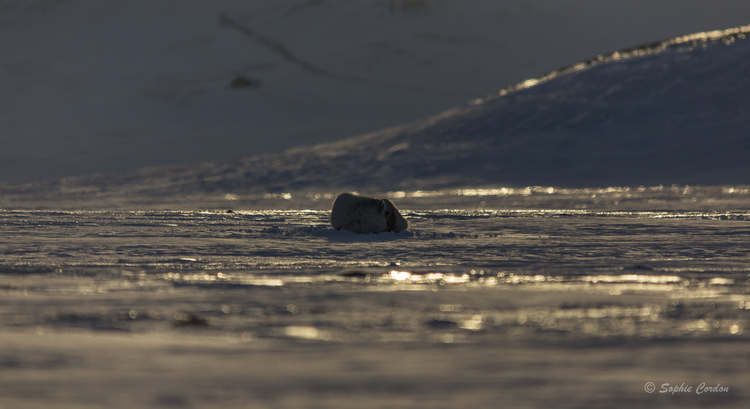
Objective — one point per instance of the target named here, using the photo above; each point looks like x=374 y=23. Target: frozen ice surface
x=564 y=308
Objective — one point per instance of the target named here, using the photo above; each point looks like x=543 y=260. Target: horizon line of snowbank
x=728 y=36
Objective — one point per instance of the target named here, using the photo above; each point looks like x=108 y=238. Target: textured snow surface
x=564 y=308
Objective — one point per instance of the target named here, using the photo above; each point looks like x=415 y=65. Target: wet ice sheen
x=458 y=275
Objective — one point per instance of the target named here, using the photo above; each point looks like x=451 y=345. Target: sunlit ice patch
x=422 y=278
x=659 y=281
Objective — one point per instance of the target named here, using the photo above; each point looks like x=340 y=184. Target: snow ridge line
x=728 y=36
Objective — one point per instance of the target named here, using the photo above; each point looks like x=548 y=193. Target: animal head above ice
x=363 y=215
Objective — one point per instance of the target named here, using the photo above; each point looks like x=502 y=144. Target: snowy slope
x=88 y=86
x=666 y=113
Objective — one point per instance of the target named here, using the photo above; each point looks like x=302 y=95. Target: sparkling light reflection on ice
x=460 y=276
x=309 y=333
x=502 y=191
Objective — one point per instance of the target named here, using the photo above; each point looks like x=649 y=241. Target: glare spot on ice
x=732 y=190
x=303 y=332
x=721 y=281
x=315 y=196
x=218 y=278
x=405 y=276
x=616 y=191
x=453 y=279
x=508 y=191
x=472 y=324
x=694 y=326
x=400 y=275
x=638 y=278
x=285 y=196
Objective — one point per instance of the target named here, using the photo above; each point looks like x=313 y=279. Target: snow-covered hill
x=88 y=86
x=674 y=112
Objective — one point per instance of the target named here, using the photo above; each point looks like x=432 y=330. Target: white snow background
x=573 y=237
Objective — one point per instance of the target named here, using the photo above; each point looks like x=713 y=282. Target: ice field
x=273 y=308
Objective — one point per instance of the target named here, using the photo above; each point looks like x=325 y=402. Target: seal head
x=362 y=215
